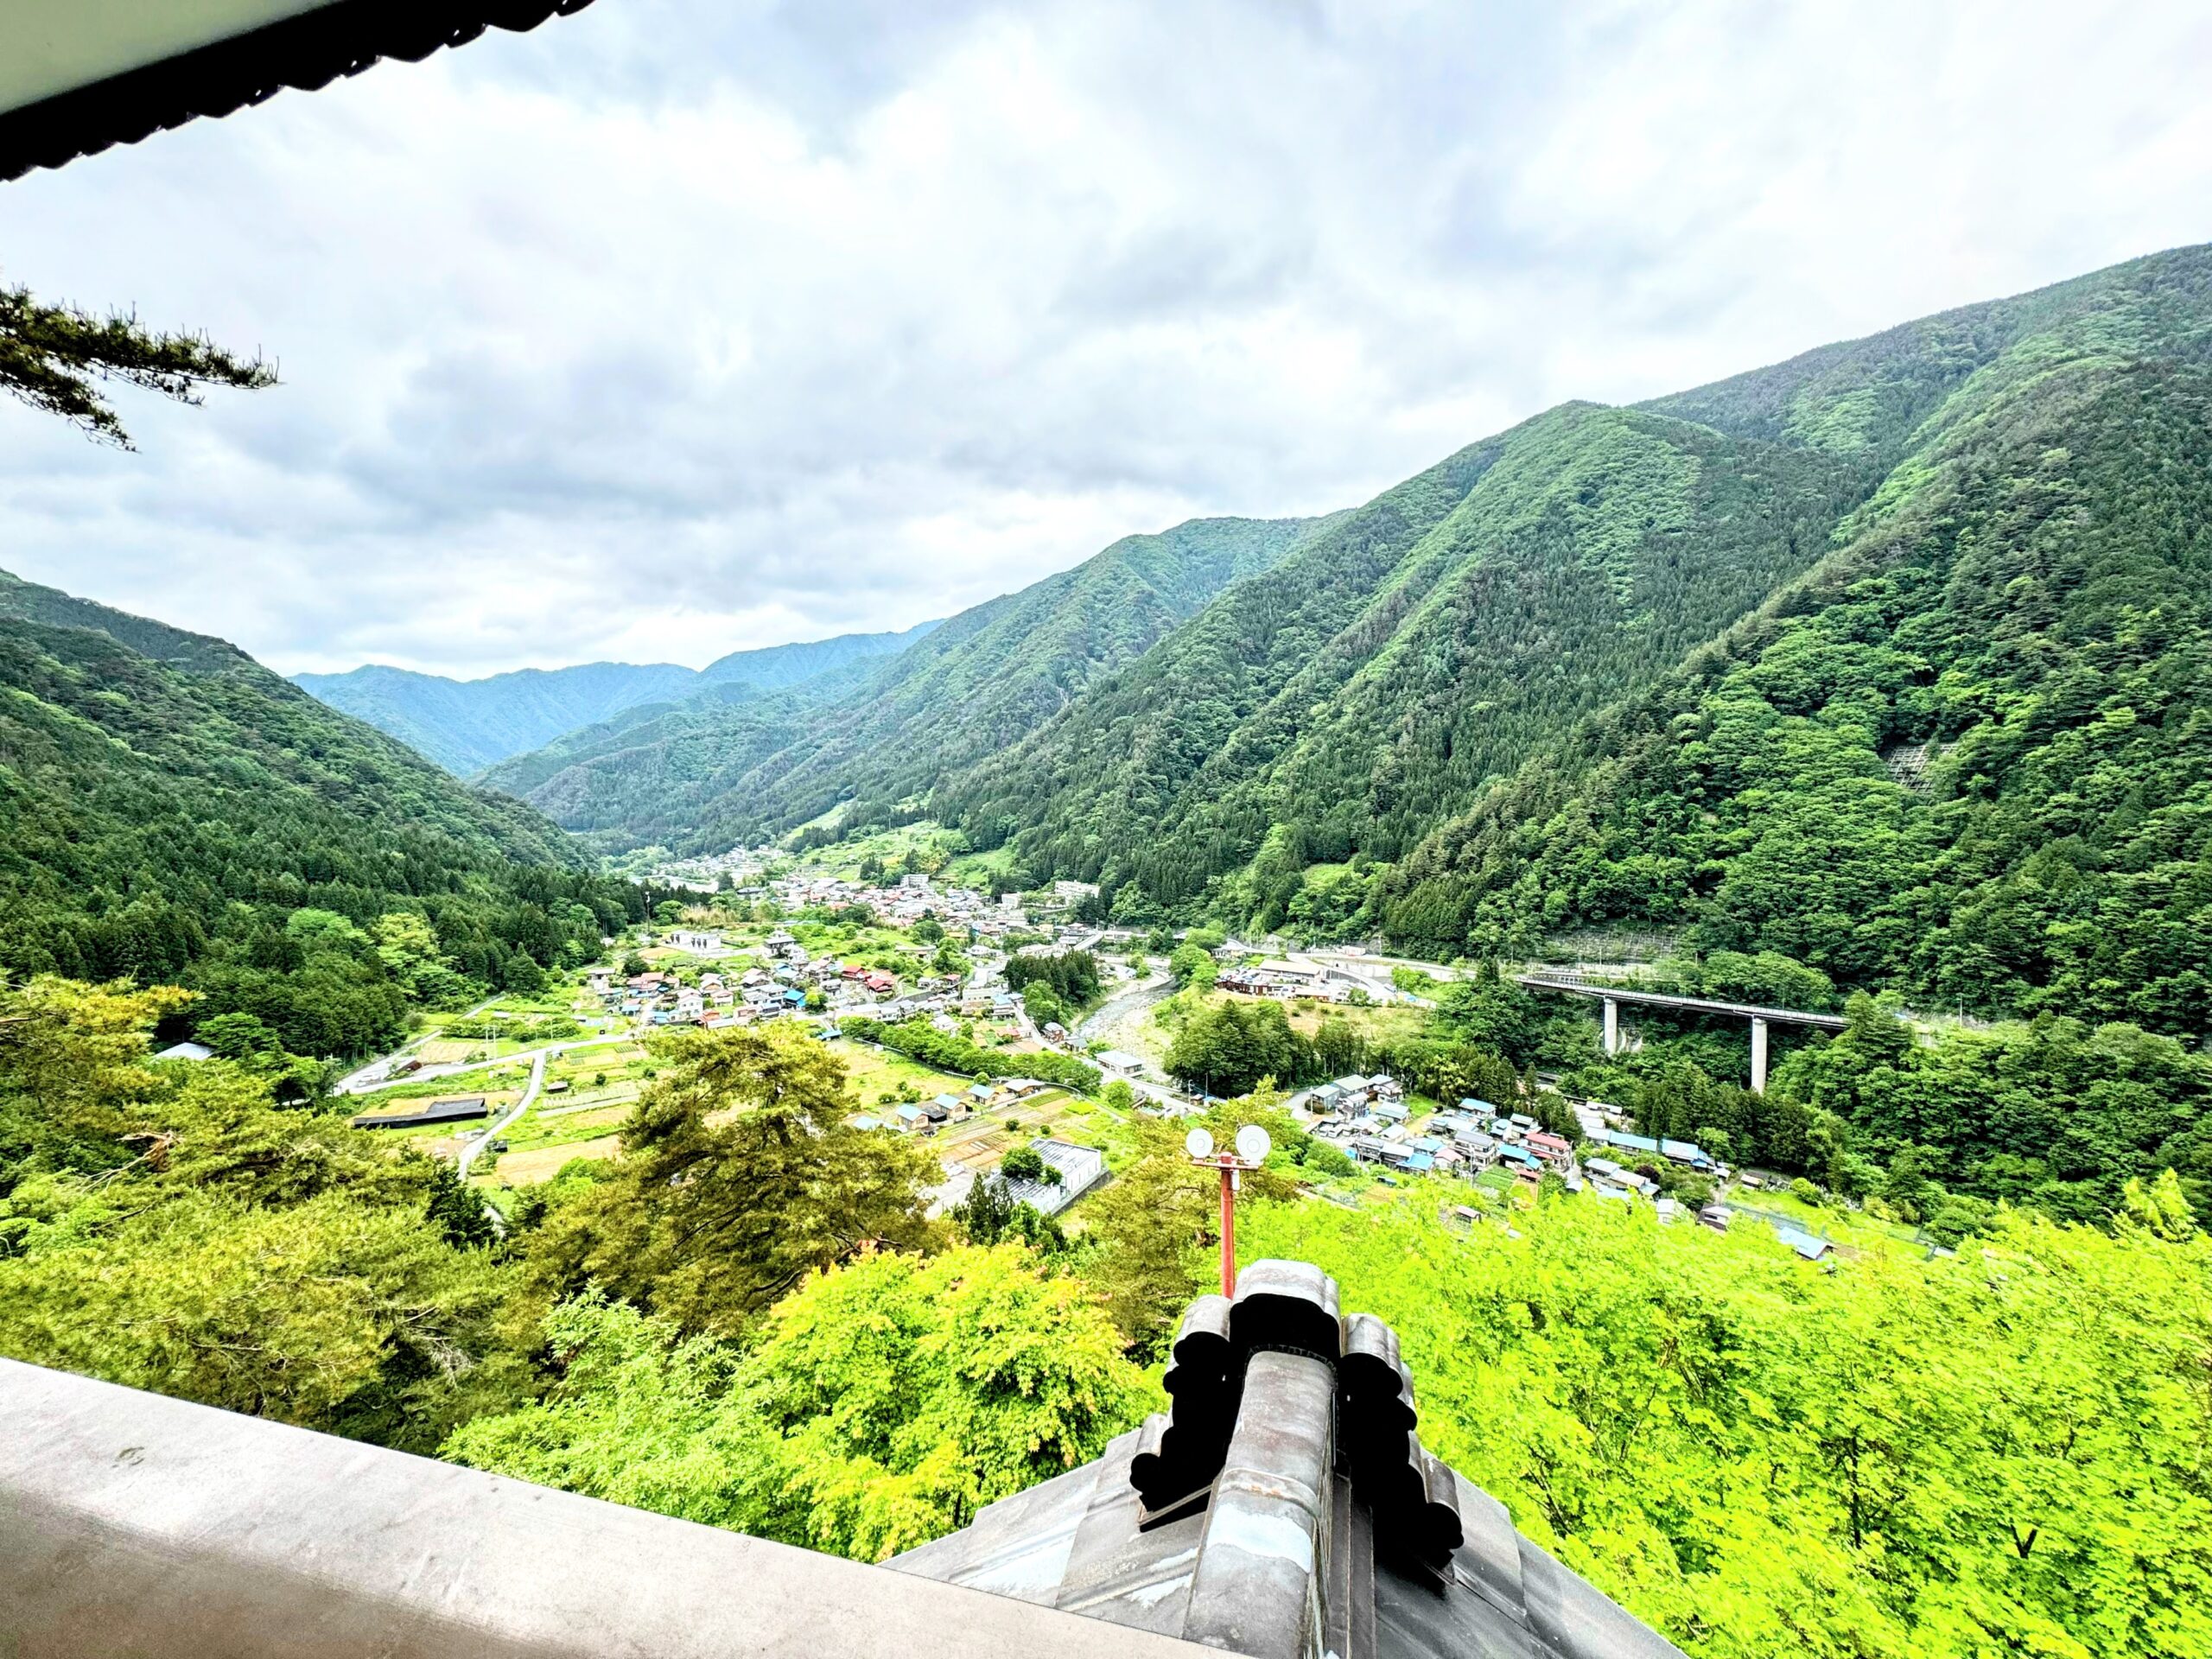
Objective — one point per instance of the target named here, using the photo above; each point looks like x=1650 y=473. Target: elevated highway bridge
x=1613 y=995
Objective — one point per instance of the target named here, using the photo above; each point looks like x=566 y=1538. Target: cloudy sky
x=681 y=326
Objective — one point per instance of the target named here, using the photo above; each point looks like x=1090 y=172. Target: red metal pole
x=1227 y=1232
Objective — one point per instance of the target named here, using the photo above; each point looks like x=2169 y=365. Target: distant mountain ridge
x=732 y=764
x=468 y=725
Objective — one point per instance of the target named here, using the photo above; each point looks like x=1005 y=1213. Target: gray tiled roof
x=1286 y=1509
x=1080 y=1169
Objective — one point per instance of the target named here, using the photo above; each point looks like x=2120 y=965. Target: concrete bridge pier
x=1759 y=1055
x=1613 y=1028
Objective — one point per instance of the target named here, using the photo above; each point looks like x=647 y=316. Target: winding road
x=529 y=1094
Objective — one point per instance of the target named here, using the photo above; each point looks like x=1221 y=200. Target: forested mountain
x=717 y=770
x=468 y=725
x=1344 y=702
x=1892 y=657
x=171 y=810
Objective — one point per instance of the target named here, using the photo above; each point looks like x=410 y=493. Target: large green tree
x=739 y=1176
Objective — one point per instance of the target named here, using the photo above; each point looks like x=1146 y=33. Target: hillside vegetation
x=1892 y=658
x=175 y=812
x=1340 y=705
x=1969 y=756
x=468 y=725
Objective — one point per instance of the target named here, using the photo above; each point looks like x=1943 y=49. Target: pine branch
x=51 y=355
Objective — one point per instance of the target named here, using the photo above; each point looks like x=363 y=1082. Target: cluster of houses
x=926 y=1117
x=916 y=895
x=738 y=866
x=1469 y=1140
x=736 y=999
x=1368 y=1117
x=1286 y=977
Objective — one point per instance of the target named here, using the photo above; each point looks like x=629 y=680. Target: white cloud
x=676 y=328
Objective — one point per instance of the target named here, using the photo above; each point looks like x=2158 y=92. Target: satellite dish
x=1199 y=1144
x=1252 y=1144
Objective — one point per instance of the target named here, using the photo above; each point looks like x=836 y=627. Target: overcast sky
x=682 y=326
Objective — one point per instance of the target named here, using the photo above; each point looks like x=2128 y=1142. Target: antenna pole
x=1228 y=1230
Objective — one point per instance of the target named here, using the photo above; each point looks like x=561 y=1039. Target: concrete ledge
x=131 y=1524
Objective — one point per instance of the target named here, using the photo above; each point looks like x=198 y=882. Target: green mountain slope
x=718 y=770
x=1971 y=755
x=2017 y=479
x=468 y=725
x=1342 y=704
x=168 y=806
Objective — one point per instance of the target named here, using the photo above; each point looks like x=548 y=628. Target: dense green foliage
x=2054 y=1114
x=950 y=1051
x=1226 y=1046
x=707 y=775
x=1073 y=975
x=171 y=810
x=1343 y=702
x=166 y=1226
x=882 y=1404
x=1970 y=756
x=1999 y=1454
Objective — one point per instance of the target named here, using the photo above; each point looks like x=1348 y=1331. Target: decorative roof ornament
x=1285 y=1507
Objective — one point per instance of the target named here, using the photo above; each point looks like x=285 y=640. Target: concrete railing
x=131 y=1524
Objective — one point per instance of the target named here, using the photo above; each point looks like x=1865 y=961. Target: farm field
x=978 y=1142
x=543 y=1163
x=585 y=1097
x=876 y=1076
x=1381 y=1024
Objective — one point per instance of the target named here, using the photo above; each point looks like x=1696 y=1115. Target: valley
x=758 y=1094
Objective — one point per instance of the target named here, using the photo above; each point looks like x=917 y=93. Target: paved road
x=529 y=1094
x=358 y=1080
x=431 y=1073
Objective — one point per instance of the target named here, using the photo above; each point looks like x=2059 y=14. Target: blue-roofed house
x=1624 y=1141
x=1805 y=1244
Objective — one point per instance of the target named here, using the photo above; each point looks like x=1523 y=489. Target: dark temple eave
x=78 y=76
